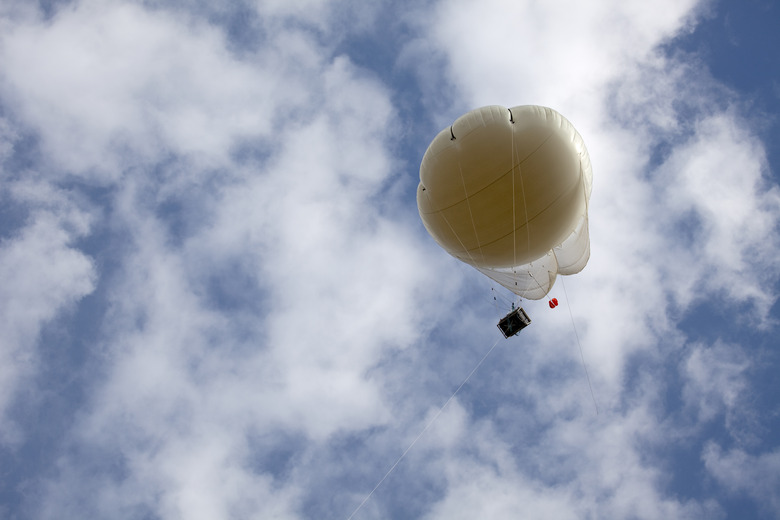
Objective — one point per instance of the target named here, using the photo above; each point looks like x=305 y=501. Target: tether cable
x=582 y=356
x=430 y=423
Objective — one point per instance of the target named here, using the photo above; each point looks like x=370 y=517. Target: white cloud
x=109 y=85
x=42 y=275
x=717 y=183
x=639 y=258
x=625 y=97
x=279 y=326
x=757 y=476
x=560 y=54
x=8 y=135
x=183 y=388
x=576 y=468
x=570 y=57
x=715 y=379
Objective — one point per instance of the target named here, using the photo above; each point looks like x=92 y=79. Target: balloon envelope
x=506 y=191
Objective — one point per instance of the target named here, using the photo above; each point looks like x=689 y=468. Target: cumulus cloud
x=490 y=472
x=743 y=473
x=716 y=388
x=560 y=54
x=278 y=328
x=715 y=378
x=195 y=364
x=42 y=275
x=717 y=184
x=109 y=86
x=682 y=206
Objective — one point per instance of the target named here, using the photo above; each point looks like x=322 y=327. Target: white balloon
x=507 y=191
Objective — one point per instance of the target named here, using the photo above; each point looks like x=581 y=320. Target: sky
x=217 y=299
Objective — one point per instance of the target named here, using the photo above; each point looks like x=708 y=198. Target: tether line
x=582 y=356
x=430 y=423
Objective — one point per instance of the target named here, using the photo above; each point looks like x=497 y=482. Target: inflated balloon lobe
x=506 y=191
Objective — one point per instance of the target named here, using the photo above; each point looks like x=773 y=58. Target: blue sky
x=218 y=299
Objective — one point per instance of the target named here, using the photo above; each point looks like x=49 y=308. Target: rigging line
x=505 y=301
x=525 y=208
x=468 y=204
x=501 y=177
x=582 y=356
x=537 y=282
x=441 y=212
x=430 y=423
x=514 y=214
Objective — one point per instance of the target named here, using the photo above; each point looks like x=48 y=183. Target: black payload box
x=514 y=322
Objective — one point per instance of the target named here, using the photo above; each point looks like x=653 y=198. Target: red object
x=552 y=305
x=555 y=301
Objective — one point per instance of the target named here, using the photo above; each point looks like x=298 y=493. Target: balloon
x=507 y=191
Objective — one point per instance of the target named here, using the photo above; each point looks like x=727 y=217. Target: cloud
x=576 y=468
x=744 y=474
x=109 y=86
x=715 y=378
x=42 y=275
x=717 y=387
x=278 y=327
x=677 y=172
x=718 y=183
x=560 y=54
x=281 y=161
